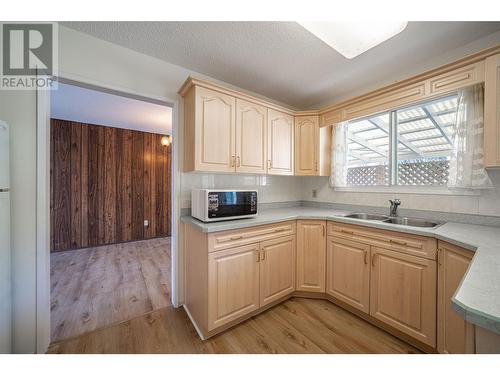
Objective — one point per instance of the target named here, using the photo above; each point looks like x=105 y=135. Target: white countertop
x=478 y=297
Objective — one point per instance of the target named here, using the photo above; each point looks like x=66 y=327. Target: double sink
x=406 y=221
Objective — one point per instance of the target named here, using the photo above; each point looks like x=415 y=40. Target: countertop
x=477 y=298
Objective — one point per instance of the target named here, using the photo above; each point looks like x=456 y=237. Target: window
x=406 y=147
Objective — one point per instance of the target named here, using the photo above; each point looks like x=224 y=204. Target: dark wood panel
x=76 y=192
x=62 y=178
x=85 y=184
x=93 y=180
x=137 y=186
x=110 y=186
x=105 y=182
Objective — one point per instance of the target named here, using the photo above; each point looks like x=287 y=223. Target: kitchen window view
x=423 y=134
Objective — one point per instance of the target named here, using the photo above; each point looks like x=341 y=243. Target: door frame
x=43 y=197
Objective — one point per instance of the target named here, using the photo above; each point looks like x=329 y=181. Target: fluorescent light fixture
x=353 y=38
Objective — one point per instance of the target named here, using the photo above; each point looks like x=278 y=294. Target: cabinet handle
x=238 y=162
x=323 y=230
x=366 y=254
x=269 y=164
x=258 y=255
x=316 y=166
x=373 y=260
x=439 y=257
x=346 y=231
x=280 y=229
x=263 y=254
x=233 y=159
x=236 y=238
x=398 y=242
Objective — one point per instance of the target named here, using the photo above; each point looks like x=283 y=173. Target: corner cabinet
x=454 y=334
x=492 y=112
x=226 y=133
x=311 y=255
x=312 y=147
x=280 y=140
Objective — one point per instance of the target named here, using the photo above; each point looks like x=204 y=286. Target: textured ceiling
x=89 y=106
x=283 y=61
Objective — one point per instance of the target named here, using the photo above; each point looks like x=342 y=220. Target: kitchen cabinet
x=280 y=143
x=233 y=284
x=348 y=272
x=312 y=147
x=454 y=334
x=311 y=255
x=251 y=137
x=492 y=112
x=306 y=145
x=403 y=293
x=277 y=269
x=209 y=131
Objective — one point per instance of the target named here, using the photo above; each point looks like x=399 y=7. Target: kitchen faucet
x=393 y=211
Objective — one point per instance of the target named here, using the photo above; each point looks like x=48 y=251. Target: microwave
x=217 y=204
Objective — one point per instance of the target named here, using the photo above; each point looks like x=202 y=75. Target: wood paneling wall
x=104 y=183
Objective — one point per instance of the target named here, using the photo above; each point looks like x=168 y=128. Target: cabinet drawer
x=424 y=247
x=238 y=237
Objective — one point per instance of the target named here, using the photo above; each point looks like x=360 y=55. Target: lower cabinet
x=233 y=284
x=311 y=255
x=403 y=293
x=277 y=269
x=348 y=276
x=454 y=334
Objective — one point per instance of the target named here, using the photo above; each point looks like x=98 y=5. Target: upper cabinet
x=312 y=147
x=492 y=112
x=280 y=143
x=225 y=131
x=251 y=137
x=209 y=131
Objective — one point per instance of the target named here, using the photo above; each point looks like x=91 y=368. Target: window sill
x=407 y=190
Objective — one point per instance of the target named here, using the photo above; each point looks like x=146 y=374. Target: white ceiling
x=74 y=103
x=285 y=62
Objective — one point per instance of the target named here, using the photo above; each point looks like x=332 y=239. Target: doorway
x=110 y=208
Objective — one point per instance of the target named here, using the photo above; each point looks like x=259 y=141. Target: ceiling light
x=353 y=38
x=166 y=140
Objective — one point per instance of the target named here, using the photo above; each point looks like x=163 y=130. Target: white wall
x=487 y=203
x=18 y=110
x=270 y=188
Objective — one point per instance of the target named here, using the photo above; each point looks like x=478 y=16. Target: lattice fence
x=409 y=173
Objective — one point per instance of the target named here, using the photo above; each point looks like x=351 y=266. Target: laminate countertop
x=477 y=298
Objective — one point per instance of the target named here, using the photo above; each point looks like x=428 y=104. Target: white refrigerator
x=5 y=252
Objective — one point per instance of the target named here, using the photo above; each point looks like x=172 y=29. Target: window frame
x=393 y=185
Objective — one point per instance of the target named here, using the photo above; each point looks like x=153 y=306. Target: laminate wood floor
x=298 y=325
x=97 y=287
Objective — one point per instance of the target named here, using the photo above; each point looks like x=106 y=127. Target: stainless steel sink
x=411 y=222
x=365 y=216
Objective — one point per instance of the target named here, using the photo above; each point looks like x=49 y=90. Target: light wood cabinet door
x=348 y=272
x=214 y=131
x=233 y=284
x=306 y=145
x=403 y=293
x=454 y=335
x=277 y=269
x=280 y=143
x=251 y=137
x=311 y=255
x=492 y=112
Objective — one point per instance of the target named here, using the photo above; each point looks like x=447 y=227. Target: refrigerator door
x=4 y=156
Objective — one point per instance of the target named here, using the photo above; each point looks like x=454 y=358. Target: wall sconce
x=166 y=140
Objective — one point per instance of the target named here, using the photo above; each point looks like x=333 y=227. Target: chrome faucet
x=393 y=212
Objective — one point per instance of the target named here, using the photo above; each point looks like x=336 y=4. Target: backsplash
x=271 y=189
x=487 y=203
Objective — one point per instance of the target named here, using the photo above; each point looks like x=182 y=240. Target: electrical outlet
x=146 y=223
x=314 y=193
